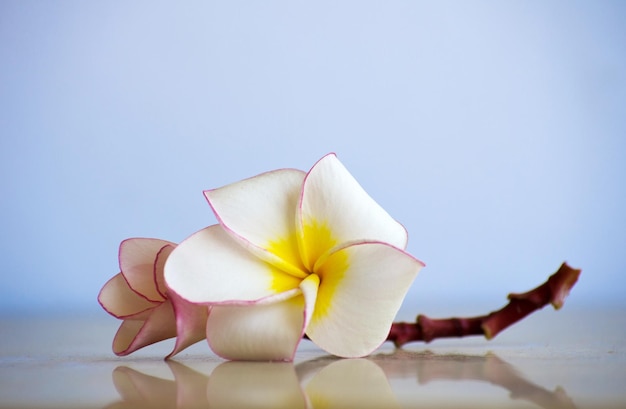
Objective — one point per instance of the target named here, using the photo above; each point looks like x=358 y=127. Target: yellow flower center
x=304 y=254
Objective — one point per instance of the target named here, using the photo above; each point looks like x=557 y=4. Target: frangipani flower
x=295 y=253
x=138 y=295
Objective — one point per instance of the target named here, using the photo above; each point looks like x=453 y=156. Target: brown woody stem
x=553 y=291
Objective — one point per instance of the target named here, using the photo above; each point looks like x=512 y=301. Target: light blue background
x=494 y=131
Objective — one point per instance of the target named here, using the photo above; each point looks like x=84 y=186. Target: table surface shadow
x=573 y=358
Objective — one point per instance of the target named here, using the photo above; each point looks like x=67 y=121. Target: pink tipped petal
x=255 y=385
x=260 y=213
x=262 y=332
x=190 y=323
x=133 y=335
x=332 y=200
x=351 y=383
x=157 y=268
x=362 y=287
x=137 y=258
x=119 y=300
x=210 y=267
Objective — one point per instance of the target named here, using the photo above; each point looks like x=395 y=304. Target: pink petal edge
x=191 y=322
x=158 y=267
x=116 y=292
x=160 y=325
x=145 y=251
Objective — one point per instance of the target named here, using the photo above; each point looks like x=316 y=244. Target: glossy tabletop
x=573 y=358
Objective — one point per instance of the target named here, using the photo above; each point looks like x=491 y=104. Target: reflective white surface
x=568 y=359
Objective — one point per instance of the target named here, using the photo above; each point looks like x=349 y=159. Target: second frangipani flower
x=295 y=253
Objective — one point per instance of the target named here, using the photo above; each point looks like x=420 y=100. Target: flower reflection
x=351 y=383
x=326 y=382
x=255 y=385
x=139 y=390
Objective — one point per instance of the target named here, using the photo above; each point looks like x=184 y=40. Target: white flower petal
x=260 y=213
x=133 y=334
x=210 y=267
x=137 y=257
x=309 y=287
x=159 y=265
x=255 y=385
x=190 y=322
x=335 y=209
x=361 y=289
x=119 y=300
x=262 y=332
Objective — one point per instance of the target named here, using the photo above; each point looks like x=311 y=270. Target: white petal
x=133 y=335
x=260 y=213
x=361 y=289
x=351 y=383
x=262 y=332
x=335 y=209
x=190 y=323
x=210 y=267
x=137 y=257
x=159 y=264
x=309 y=287
x=119 y=300
x=255 y=385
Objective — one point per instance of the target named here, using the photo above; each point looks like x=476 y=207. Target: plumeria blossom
x=138 y=295
x=295 y=253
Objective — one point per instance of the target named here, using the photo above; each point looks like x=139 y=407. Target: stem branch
x=553 y=291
